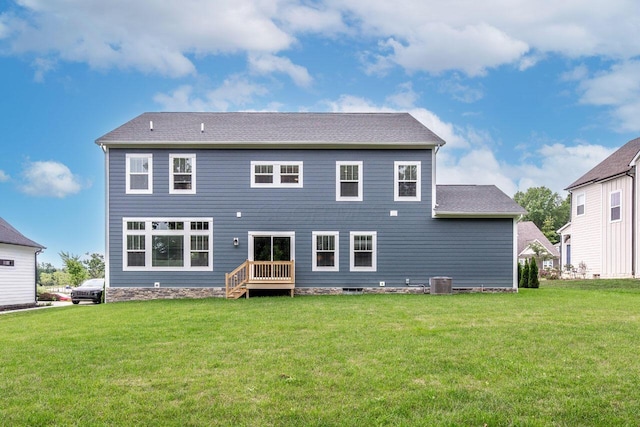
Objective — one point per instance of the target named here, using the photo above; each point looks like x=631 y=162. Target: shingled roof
x=11 y=236
x=249 y=129
x=528 y=233
x=616 y=164
x=475 y=200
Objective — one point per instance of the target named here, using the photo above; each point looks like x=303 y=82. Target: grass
x=566 y=354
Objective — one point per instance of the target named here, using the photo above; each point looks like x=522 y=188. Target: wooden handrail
x=256 y=272
x=237 y=278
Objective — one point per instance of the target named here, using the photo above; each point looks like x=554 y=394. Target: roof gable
x=11 y=236
x=528 y=233
x=475 y=200
x=272 y=128
x=616 y=164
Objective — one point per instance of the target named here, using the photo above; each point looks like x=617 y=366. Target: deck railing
x=256 y=272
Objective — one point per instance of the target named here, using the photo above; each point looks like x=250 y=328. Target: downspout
x=35 y=260
x=633 y=220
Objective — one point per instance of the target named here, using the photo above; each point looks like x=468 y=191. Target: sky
x=525 y=92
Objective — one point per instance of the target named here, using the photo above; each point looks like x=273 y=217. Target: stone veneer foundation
x=143 y=294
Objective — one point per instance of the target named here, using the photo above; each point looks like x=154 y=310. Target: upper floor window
x=406 y=184
x=580 y=202
x=182 y=174
x=325 y=251
x=139 y=171
x=276 y=174
x=6 y=263
x=616 y=205
x=349 y=181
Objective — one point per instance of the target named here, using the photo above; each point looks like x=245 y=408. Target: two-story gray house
x=214 y=204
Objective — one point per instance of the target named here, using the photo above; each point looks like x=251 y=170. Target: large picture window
x=363 y=248
x=276 y=174
x=407 y=182
x=325 y=251
x=182 y=175
x=139 y=170
x=349 y=181
x=168 y=244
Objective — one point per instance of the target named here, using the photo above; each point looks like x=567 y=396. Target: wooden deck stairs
x=260 y=275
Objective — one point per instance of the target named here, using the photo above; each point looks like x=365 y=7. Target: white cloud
x=234 y=93
x=267 y=63
x=619 y=88
x=433 y=36
x=4 y=177
x=145 y=35
x=50 y=179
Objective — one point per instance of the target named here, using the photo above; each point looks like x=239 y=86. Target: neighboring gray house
x=601 y=239
x=17 y=268
x=310 y=202
x=528 y=235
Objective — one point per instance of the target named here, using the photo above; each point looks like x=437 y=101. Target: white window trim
x=129 y=156
x=290 y=234
x=191 y=156
x=374 y=247
x=314 y=251
x=584 y=203
x=618 y=206
x=148 y=233
x=396 y=182
x=357 y=198
x=276 y=175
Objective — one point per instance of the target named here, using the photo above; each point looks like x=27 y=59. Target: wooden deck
x=260 y=275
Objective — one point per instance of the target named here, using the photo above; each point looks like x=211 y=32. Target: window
x=325 y=251
x=6 y=263
x=616 y=205
x=406 y=184
x=276 y=174
x=349 y=181
x=580 y=202
x=168 y=244
x=182 y=175
x=139 y=174
x=363 y=251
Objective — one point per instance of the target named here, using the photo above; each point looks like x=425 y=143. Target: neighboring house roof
x=616 y=164
x=11 y=236
x=474 y=200
x=528 y=233
x=277 y=129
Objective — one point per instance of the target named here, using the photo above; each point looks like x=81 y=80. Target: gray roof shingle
x=475 y=200
x=616 y=164
x=528 y=233
x=11 y=236
x=272 y=128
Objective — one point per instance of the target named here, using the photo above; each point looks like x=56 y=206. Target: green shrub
x=534 y=281
x=524 y=277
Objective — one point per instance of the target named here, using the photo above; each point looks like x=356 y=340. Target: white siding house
x=601 y=238
x=17 y=268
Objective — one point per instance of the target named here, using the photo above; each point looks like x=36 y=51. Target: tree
x=534 y=282
x=524 y=277
x=543 y=205
x=94 y=265
x=74 y=268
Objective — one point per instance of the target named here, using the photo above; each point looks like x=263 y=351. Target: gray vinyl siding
x=412 y=245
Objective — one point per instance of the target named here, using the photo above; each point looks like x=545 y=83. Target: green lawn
x=567 y=354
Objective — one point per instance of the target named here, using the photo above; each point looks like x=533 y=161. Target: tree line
x=74 y=272
x=546 y=209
